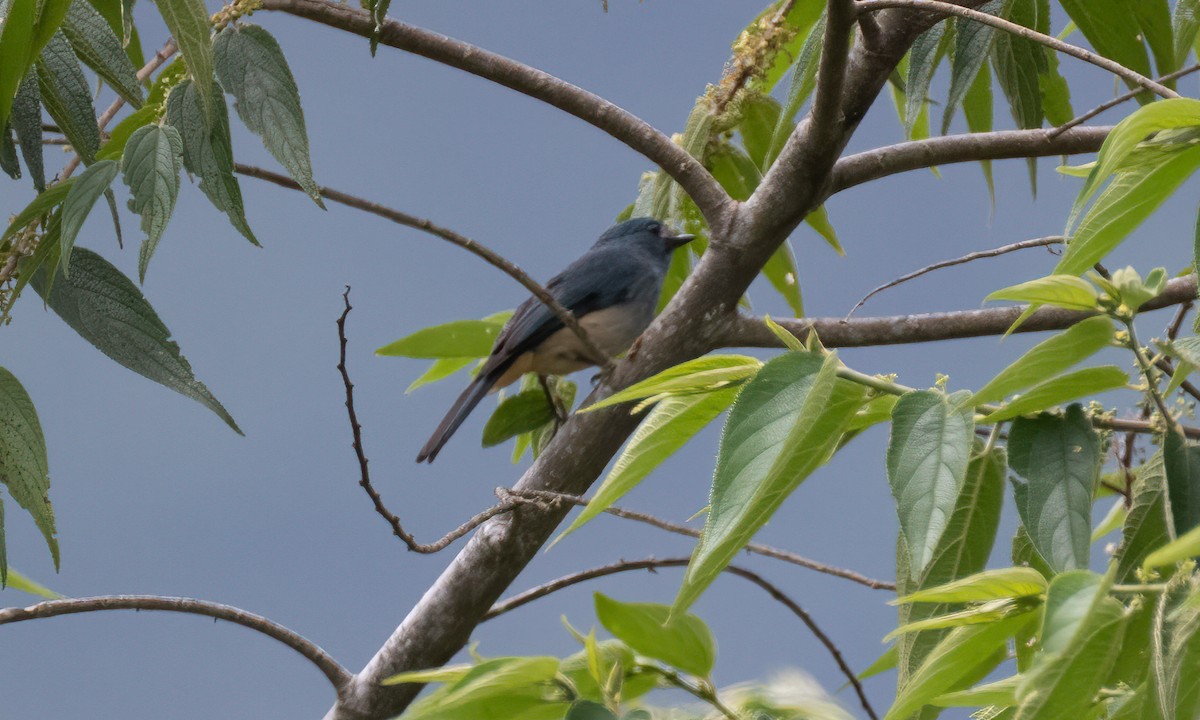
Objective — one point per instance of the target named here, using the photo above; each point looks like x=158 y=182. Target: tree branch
x=878 y=163
x=1081 y=119
x=566 y=581
x=617 y=122
x=335 y=673
x=1049 y=41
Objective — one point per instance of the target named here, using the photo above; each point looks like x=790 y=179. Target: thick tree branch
x=329 y=667
x=878 y=163
x=617 y=122
x=1012 y=28
x=773 y=590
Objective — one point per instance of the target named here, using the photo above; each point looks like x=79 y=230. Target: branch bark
x=335 y=673
x=617 y=122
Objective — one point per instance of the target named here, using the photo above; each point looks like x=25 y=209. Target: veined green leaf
x=787 y=41
x=609 y=657
x=1112 y=27
x=786 y=422
x=1059 y=457
x=151 y=164
x=1014 y=582
x=252 y=67
x=804 y=81
x=680 y=640
x=878 y=410
x=1154 y=18
x=781 y=271
x=520 y=413
x=1147 y=528
x=1056 y=93
x=1000 y=693
x=883 y=663
x=39 y=206
x=672 y=422
x=972 y=44
x=80 y=200
x=8 y=155
x=1056 y=391
x=108 y=311
x=50 y=18
x=1185 y=22
x=987 y=612
x=189 y=24
x=927 y=459
x=1185 y=547
x=16 y=47
x=1127 y=201
x=100 y=49
x=26 y=120
x=1063 y=290
x=67 y=98
x=497 y=689
x=703 y=374
x=1182 y=463
x=1048 y=358
x=923 y=59
x=1018 y=63
x=24 y=469
x=114 y=147
x=977 y=109
x=760 y=114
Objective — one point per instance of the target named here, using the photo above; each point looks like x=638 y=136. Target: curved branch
x=1108 y=105
x=773 y=590
x=1020 y=30
x=612 y=119
x=335 y=673
x=878 y=163
x=489 y=256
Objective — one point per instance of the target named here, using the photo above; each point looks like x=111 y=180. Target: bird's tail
x=459 y=411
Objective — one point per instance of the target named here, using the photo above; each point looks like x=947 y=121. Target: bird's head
x=646 y=234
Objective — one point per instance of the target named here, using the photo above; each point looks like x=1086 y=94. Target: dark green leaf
x=1182 y=463
x=927 y=459
x=1186 y=21
x=16 y=47
x=977 y=108
x=1112 y=27
x=680 y=640
x=1056 y=94
x=252 y=68
x=66 y=96
x=521 y=413
x=24 y=469
x=760 y=115
x=972 y=44
x=588 y=710
x=151 y=164
x=100 y=49
x=26 y=120
x=1019 y=63
x=804 y=80
x=1154 y=17
x=1059 y=458
x=207 y=150
x=108 y=310
x=922 y=63
x=1146 y=527
x=79 y=203
x=785 y=424
x=50 y=18
x=189 y=24
x=734 y=170
x=8 y=154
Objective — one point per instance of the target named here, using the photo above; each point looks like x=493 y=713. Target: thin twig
x=1080 y=119
x=335 y=673
x=535 y=593
x=1024 y=32
x=701 y=690
x=490 y=256
x=757 y=549
x=1038 y=242
x=153 y=64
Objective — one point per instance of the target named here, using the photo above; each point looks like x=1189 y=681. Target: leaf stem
x=1151 y=375
x=701 y=690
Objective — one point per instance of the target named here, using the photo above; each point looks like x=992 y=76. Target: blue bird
x=613 y=290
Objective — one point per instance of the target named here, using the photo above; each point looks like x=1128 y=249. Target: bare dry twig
x=652 y=564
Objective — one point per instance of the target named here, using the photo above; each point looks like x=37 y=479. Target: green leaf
x=16 y=47
x=1058 y=390
x=445 y=674
x=458 y=339
x=1112 y=27
x=668 y=427
x=100 y=49
x=67 y=98
x=987 y=612
x=733 y=170
x=927 y=459
x=108 y=310
x=780 y=270
x=788 y=340
x=84 y=193
x=804 y=81
x=786 y=41
x=972 y=44
x=189 y=24
x=1146 y=527
x=1001 y=693
x=39 y=206
x=786 y=423
x=50 y=18
x=1061 y=290
x=607 y=655
x=8 y=154
x=17 y=581
x=26 y=120
x=1014 y=582
x=678 y=639
x=1154 y=18
x=589 y=710
x=114 y=148
x=878 y=410
x=252 y=68
x=1182 y=463
x=704 y=374
x=151 y=164
x=1184 y=548
x=207 y=151
x=1127 y=201
x=760 y=115
x=509 y=688
x=1018 y=62
x=1059 y=457
x=1048 y=358
x=1056 y=93
x=977 y=108
x=923 y=59
x=440 y=369
x=883 y=663
x=521 y=413
x=24 y=469
x=964 y=652
x=819 y=220
x=1186 y=21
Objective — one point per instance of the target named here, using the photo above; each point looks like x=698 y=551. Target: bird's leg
x=560 y=412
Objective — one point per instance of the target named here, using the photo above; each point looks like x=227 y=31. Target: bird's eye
x=654 y=227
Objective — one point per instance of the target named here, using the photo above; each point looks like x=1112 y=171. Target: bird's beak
x=678 y=241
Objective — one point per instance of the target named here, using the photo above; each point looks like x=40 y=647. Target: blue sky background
x=154 y=494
